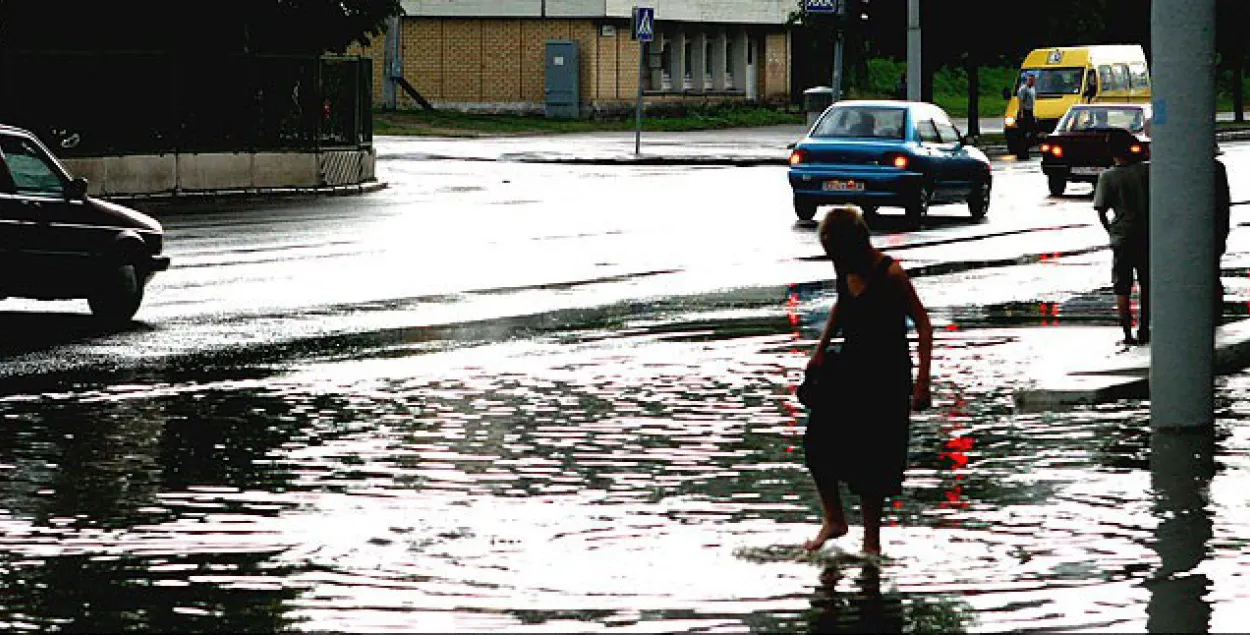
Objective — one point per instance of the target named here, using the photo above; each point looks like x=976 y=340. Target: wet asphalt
x=517 y=395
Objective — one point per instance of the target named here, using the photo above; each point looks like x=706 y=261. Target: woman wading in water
x=862 y=441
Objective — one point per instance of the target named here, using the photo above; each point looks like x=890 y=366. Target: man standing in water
x=1223 y=205
x=1125 y=189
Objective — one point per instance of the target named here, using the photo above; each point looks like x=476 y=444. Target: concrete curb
x=253 y=193
x=1126 y=376
x=744 y=160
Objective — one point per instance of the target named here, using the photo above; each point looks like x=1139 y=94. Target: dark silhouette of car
x=58 y=243
x=887 y=153
x=1079 y=148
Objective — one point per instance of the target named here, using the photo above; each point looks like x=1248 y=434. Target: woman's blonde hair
x=845 y=236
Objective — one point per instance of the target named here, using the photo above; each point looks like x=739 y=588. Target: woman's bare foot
x=828 y=531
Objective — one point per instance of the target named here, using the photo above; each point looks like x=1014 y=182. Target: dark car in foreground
x=1079 y=148
x=887 y=153
x=58 y=243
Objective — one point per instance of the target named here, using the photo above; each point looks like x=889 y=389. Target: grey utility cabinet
x=562 y=90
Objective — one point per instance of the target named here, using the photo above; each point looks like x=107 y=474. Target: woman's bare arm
x=924 y=330
x=826 y=336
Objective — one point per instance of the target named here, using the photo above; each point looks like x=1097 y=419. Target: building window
x=687 y=80
x=707 y=63
x=666 y=66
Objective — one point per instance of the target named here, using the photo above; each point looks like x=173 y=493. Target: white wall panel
x=473 y=8
x=722 y=11
x=577 y=8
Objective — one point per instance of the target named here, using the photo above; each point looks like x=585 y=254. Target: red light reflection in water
x=955 y=454
x=792 y=313
x=893 y=240
x=1049 y=312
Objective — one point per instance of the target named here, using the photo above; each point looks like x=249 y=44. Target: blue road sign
x=821 y=6
x=644 y=23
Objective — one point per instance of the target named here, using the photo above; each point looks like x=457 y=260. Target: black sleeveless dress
x=863 y=441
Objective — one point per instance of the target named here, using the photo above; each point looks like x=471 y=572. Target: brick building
x=489 y=55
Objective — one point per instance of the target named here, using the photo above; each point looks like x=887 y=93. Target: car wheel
x=917 y=209
x=805 y=210
x=1057 y=185
x=1014 y=144
x=118 y=295
x=979 y=201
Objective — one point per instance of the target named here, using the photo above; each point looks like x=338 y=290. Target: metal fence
x=99 y=104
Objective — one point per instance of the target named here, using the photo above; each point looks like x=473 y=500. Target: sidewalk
x=1123 y=375
x=736 y=147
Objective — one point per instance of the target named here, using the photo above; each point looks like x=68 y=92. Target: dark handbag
x=822 y=385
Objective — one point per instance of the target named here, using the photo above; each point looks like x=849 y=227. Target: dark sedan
x=886 y=153
x=1079 y=149
x=57 y=243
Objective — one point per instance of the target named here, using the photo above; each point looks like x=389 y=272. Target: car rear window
x=1094 y=117
x=871 y=122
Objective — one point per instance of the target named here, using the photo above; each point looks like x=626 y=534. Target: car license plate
x=1088 y=171
x=844 y=185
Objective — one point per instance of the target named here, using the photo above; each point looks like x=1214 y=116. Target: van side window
x=1138 y=76
x=1119 y=75
x=1104 y=79
x=928 y=133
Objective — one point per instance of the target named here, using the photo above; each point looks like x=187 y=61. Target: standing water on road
x=623 y=469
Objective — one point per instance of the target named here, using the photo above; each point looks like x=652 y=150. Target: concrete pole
x=836 y=82
x=913 y=50
x=392 y=63
x=1182 y=194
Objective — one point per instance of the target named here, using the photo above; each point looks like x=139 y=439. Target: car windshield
x=1093 y=117
x=1054 y=81
x=875 y=122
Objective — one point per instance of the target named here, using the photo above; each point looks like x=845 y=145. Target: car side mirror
x=77 y=189
x=791 y=145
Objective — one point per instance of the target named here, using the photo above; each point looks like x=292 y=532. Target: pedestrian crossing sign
x=644 y=23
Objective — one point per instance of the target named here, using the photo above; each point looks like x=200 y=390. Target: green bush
x=950 y=86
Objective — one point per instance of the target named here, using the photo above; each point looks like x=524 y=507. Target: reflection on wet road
x=634 y=470
x=549 y=408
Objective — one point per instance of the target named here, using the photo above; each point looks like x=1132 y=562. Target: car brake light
x=1045 y=148
x=1057 y=151
x=797 y=157
x=1135 y=148
x=900 y=161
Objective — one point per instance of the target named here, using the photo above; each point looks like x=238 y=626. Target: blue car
x=885 y=153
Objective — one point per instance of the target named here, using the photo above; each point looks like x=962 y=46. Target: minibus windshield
x=1054 y=81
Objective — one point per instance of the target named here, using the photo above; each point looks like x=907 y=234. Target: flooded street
x=637 y=476
x=608 y=453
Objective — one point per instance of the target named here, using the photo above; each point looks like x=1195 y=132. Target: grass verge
x=459 y=124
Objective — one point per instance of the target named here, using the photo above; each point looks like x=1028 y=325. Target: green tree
x=224 y=26
x=1230 y=43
